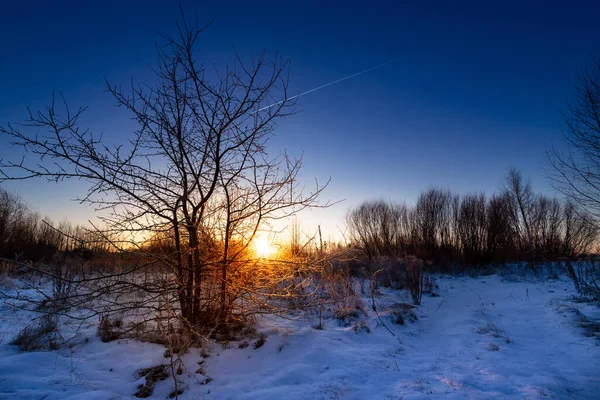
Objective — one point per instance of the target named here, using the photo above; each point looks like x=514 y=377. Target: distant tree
x=378 y=228
x=579 y=234
x=501 y=236
x=433 y=216
x=522 y=205
x=517 y=224
x=472 y=227
x=547 y=226
x=576 y=170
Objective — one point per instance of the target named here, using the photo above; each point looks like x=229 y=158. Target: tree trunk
x=195 y=275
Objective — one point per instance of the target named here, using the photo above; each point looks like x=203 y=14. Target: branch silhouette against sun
x=196 y=173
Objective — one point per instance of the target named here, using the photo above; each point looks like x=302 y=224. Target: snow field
x=481 y=338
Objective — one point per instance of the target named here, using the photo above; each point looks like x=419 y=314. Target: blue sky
x=479 y=87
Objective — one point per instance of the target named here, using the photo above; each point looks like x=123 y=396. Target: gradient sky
x=479 y=88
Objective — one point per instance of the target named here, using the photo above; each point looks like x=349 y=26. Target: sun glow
x=263 y=247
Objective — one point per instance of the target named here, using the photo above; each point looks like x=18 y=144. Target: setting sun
x=263 y=247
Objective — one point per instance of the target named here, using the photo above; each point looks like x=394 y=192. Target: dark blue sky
x=478 y=90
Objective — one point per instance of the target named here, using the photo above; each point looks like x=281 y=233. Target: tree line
x=26 y=235
x=516 y=224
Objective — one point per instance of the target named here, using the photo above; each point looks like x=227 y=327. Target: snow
x=482 y=338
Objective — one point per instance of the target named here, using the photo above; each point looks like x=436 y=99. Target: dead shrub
x=403 y=312
x=63 y=270
x=234 y=328
x=429 y=286
x=346 y=316
x=41 y=335
x=492 y=330
x=345 y=303
x=585 y=275
x=361 y=326
x=109 y=330
x=415 y=278
x=591 y=328
x=178 y=341
x=391 y=272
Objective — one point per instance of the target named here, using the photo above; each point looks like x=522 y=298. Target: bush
x=429 y=285
x=63 y=270
x=403 y=312
x=415 y=279
x=41 y=335
x=361 y=326
x=585 y=275
x=391 y=272
x=340 y=292
x=109 y=330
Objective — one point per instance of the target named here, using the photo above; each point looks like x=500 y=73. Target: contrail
x=328 y=84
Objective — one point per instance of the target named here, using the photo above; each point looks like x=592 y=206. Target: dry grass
x=415 y=279
x=402 y=312
x=491 y=329
x=41 y=335
x=494 y=331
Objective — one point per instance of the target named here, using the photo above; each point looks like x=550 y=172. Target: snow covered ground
x=481 y=338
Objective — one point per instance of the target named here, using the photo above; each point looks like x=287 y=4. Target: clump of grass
x=430 y=287
x=109 y=330
x=41 y=335
x=361 y=326
x=345 y=314
x=491 y=329
x=586 y=278
x=591 y=328
x=415 y=278
x=348 y=314
x=403 y=312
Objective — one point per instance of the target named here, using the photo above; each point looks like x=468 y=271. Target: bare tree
x=579 y=234
x=522 y=203
x=433 y=221
x=546 y=226
x=501 y=236
x=378 y=228
x=472 y=227
x=576 y=170
x=197 y=167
